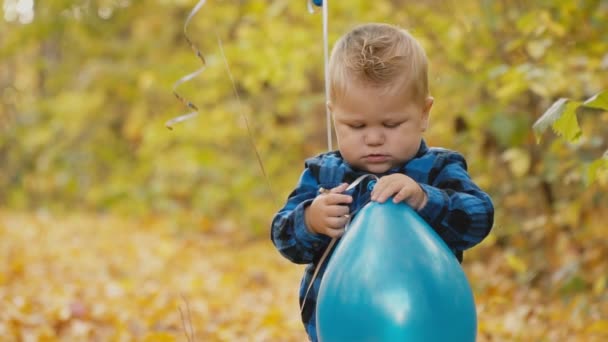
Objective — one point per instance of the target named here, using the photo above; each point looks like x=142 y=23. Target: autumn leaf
x=598 y=101
x=561 y=117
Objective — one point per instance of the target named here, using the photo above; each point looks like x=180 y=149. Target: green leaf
x=599 y=101
x=561 y=116
x=549 y=116
x=567 y=124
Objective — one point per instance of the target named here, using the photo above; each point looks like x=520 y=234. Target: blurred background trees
x=86 y=90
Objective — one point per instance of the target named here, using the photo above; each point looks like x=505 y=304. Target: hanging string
x=325 y=15
x=326 y=68
x=329 y=148
x=249 y=130
x=325 y=11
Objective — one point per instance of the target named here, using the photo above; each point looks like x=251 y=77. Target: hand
x=327 y=213
x=402 y=188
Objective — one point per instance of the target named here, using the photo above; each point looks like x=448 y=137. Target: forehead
x=370 y=102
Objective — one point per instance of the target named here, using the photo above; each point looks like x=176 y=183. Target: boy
x=380 y=103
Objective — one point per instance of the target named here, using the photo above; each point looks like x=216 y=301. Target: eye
x=391 y=124
x=356 y=125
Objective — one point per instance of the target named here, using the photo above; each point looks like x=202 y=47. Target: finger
x=402 y=195
x=380 y=187
x=337 y=222
x=376 y=190
x=339 y=189
x=386 y=191
x=337 y=210
x=334 y=233
x=335 y=199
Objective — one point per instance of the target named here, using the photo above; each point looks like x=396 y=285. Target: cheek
x=345 y=134
x=403 y=136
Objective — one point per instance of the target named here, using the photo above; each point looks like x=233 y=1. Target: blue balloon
x=392 y=278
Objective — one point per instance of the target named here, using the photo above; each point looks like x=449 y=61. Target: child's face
x=377 y=131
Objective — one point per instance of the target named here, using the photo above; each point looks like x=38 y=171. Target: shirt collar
x=422 y=149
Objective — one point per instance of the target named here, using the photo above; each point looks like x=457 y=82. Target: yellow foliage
x=160 y=337
x=85 y=93
x=92 y=277
x=89 y=277
x=518 y=160
x=516 y=263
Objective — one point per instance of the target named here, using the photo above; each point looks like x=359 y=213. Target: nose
x=374 y=137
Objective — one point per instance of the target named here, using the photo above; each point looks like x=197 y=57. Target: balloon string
x=333 y=240
x=326 y=69
x=325 y=16
x=329 y=141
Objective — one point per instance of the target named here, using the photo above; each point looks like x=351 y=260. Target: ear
x=426 y=110
x=330 y=109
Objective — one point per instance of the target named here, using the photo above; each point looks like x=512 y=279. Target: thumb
x=339 y=189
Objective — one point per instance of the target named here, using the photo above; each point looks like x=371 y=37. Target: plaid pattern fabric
x=457 y=209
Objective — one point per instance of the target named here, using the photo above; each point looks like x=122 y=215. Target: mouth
x=376 y=158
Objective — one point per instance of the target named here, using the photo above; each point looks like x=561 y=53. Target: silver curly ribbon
x=169 y=124
x=195 y=111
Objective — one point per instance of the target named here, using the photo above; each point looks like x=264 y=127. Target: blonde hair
x=382 y=56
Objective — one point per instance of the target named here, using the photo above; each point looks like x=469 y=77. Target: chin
x=376 y=169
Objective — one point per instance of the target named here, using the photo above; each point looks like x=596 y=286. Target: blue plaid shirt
x=460 y=212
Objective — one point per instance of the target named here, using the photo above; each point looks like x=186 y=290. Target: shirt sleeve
x=459 y=211
x=289 y=232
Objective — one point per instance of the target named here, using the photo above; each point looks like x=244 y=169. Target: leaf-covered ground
x=100 y=278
